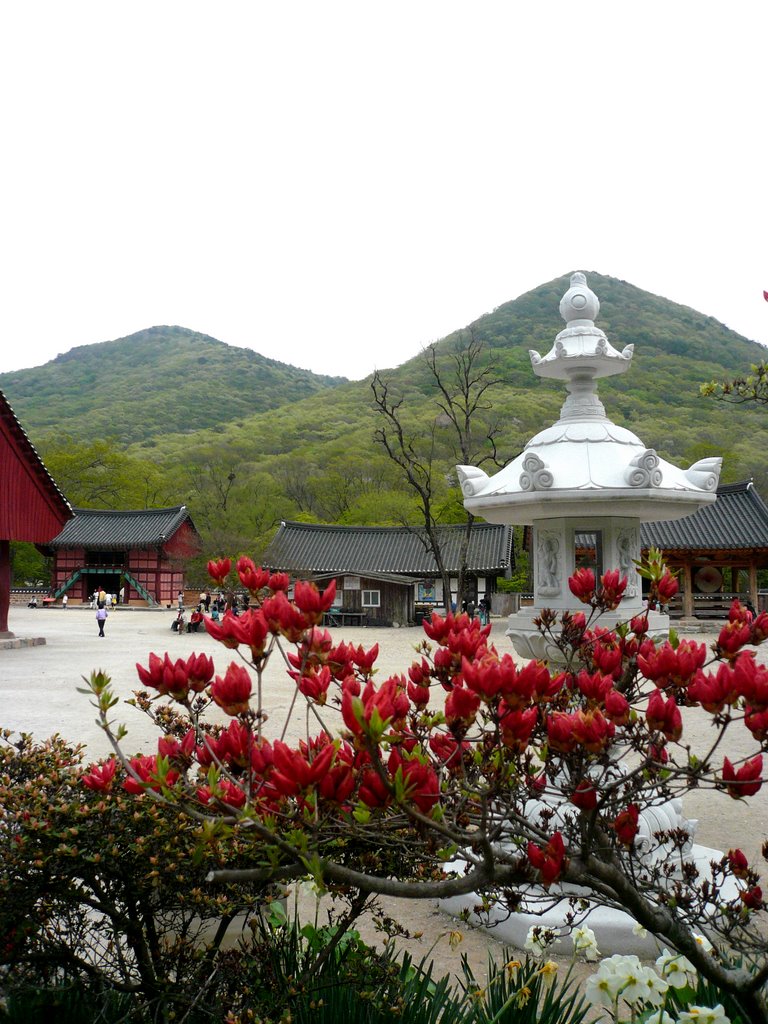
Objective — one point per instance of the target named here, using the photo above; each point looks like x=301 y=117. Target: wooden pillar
x=687 y=591
x=753 y=582
x=5 y=587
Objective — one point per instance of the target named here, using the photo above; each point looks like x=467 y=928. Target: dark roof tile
x=318 y=548
x=738 y=520
x=106 y=530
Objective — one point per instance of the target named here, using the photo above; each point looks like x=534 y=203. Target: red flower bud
x=582 y=585
x=738 y=863
x=747 y=780
x=626 y=824
x=219 y=569
x=233 y=692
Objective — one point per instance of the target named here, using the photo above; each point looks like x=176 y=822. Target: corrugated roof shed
x=738 y=520
x=107 y=531
x=316 y=548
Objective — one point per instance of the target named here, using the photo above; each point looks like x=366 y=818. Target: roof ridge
x=128 y=511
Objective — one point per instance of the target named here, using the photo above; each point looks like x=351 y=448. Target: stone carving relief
x=535 y=476
x=643 y=470
x=548 y=564
x=628 y=548
x=705 y=473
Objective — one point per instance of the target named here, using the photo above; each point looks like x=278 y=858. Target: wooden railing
x=707 y=606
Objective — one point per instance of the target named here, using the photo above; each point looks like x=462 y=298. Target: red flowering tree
x=468 y=772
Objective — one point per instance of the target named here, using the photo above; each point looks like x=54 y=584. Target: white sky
x=336 y=184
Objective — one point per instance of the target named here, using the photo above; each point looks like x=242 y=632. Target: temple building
x=142 y=553
x=717 y=552
x=386 y=574
x=32 y=508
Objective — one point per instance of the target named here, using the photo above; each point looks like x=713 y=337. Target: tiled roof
x=738 y=520
x=313 y=548
x=102 y=530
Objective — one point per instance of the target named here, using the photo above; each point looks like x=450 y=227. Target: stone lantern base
x=529 y=642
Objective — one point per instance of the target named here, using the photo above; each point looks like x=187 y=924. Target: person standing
x=101 y=618
x=65 y=601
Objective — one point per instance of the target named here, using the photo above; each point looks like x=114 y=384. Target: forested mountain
x=158 y=380
x=246 y=441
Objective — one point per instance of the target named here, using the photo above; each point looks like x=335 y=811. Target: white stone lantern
x=584 y=484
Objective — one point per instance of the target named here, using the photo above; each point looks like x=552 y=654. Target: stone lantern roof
x=584 y=459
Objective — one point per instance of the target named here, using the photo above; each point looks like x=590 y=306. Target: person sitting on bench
x=195 y=620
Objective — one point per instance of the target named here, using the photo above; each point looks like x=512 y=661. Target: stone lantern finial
x=579 y=303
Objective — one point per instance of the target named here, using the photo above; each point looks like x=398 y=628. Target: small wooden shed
x=385 y=574
x=142 y=552
x=32 y=508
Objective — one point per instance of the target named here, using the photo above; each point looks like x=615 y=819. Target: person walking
x=101 y=618
x=65 y=602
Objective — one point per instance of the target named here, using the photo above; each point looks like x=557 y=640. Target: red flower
x=516 y=726
x=756 y=722
x=314 y=683
x=448 y=750
x=219 y=569
x=560 y=732
x=616 y=707
x=311 y=602
x=732 y=637
x=180 y=752
x=364 y=659
x=738 y=863
x=147 y=770
x=582 y=585
x=254 y=580
x=664 y=716
x=421 y=783
x=200 y=671
x=612 y=589
x=373 y=710
x=760 y=628
x=279 y=581
x=373 y=792
x=607 y=657
x=285 y=618
x=594 y=687
x=224 y=791
x=338 y=782
x=294 y=773
x=592 y=730
x=99 y=777
x=418 y=687
x=233 y=692
x=713 y=692
x=747 y=780
x=668 y=666
x=639 y=624
x=626 y=824
x=751 y=681
x=550 y=862
x=667 y=587
x=584 y=796
x=461 y=707
x=227 y=632
x=752 y=898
